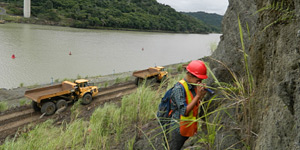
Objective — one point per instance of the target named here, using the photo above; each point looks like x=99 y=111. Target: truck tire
x=86 y=99
x=138 y=81
x=48 y=108
x=35 y=106
x=61 y=105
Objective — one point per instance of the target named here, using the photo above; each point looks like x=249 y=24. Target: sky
x=209 y=6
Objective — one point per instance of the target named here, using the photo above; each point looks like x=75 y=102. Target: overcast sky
x=209 y=6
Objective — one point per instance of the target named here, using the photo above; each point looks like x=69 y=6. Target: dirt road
x=14 y=120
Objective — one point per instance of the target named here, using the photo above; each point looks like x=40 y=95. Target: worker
x=186 y=103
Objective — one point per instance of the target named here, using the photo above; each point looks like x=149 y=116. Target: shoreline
x=37 y=21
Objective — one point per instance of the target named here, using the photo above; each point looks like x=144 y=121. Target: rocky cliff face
x=273 y=47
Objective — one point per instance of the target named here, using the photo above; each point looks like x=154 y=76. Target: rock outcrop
x=272 y=42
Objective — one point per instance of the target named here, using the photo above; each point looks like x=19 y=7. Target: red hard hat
x=197 y=68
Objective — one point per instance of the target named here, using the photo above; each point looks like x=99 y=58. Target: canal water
x=46 y=53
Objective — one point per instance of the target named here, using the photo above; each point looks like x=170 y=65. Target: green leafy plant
x=99 y=85
x=3 y=106
x=179 y=68
x=213 y=46
x=169 y=70
x=23 y=102
x=127 y=78
x=284 y=14
x=105 y=84
x=118 y=80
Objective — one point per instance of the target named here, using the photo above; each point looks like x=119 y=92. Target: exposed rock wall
x=274 y=58
x=229 y=50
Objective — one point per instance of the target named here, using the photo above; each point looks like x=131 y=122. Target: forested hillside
x=130 y=14
x=212 y=20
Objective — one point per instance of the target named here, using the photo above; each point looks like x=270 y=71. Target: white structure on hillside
x=26 y=8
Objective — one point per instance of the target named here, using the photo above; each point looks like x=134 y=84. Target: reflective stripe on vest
x=188 y=124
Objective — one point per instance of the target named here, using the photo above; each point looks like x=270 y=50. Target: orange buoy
x=13 y=56
x=70 y=53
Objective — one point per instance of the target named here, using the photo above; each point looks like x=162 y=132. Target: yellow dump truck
x=156 y=73
x=56 y=97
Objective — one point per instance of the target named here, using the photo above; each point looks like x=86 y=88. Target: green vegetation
x=169 y=70
x=3 y=106
x=213 y=20
x=179 y=68
x=79 y=77
x=99 y=85
x=120 y=14
x=284 y=14
x=107 y=126
x=24 y=101
x=21 y=85
x=235 y=102
x=127 y=78
x=118 y=80
x=213 y=47
x=33 y=86
x=105 y=84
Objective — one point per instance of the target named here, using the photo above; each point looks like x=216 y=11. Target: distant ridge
x=211 y=19
x=146 y=15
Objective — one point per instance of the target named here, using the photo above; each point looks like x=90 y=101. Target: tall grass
x=48 y=137
x=247 y=70
x=106 y=127
x=236 y=95
x=103 y=123
x=136 y=109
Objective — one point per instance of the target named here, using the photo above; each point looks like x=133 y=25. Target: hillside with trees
x=212 y=20
x=120 y=14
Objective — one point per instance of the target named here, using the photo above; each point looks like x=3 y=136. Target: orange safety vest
x=188 y=124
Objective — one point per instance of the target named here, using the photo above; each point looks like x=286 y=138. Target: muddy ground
x=13 y=96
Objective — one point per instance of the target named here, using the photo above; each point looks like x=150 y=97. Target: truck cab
x=162 y=73
x=85 y=91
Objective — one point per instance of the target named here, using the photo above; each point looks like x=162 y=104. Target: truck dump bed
x=50 y=91
x=146 y=73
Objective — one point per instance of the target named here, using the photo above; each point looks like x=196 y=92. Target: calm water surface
x=42 y=52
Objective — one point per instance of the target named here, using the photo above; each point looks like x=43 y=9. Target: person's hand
x=200 y=88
